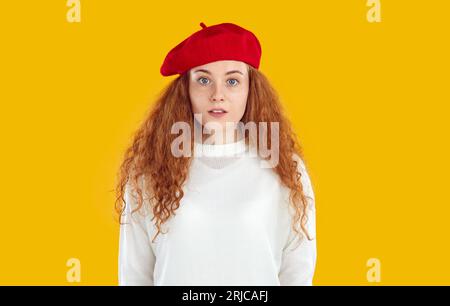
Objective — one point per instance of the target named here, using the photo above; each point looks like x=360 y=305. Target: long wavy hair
x=149 y=158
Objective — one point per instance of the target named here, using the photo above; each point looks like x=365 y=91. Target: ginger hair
x=149 y=155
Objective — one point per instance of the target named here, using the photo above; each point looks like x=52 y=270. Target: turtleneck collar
x=217 y=150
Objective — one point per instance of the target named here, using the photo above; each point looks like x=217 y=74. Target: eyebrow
x=229 y=72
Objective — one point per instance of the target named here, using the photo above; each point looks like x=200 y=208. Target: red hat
x=225 y=41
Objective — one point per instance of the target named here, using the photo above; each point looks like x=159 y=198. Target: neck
x=223 y=138
x=222 y=149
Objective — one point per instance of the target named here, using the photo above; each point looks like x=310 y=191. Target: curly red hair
x=149 y=155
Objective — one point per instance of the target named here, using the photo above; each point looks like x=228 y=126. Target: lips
x=217 y=111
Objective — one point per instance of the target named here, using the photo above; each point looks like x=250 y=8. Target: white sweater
x=233 y=227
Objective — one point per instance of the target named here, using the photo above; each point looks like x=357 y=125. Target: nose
x=217 y=95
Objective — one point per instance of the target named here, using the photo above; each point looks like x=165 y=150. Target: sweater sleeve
x=136 y=257
x=298 y=263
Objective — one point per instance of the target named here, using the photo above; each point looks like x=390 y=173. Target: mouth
x=217 y=112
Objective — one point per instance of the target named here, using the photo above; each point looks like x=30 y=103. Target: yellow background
x=369 y=102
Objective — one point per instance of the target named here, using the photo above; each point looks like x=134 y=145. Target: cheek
x=239 y=98
x=198 y=99
x=240 y=102
x=198 y=106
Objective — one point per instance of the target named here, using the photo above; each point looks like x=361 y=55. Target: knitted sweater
x=233 y=227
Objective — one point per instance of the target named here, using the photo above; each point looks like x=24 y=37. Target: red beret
x=225 y=41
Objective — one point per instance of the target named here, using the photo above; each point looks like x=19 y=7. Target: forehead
x=221 y=68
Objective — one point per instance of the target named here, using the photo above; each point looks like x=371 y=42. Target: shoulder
x=309 y=193
x=300 y=163
x=136 y=192
x=304 y=175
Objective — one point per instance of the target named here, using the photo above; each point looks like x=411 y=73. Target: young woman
x=197 y=207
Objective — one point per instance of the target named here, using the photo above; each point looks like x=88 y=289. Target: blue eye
x=234 y=83
x=205 y=81
x=202 y=78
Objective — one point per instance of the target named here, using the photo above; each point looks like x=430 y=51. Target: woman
x=198 y=208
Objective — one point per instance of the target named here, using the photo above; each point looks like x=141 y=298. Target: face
x=219 y=90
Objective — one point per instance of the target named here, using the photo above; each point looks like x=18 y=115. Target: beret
x=225 y=41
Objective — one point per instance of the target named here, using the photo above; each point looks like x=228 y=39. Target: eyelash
x=198 y=80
